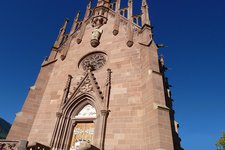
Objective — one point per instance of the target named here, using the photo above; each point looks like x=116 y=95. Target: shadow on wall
x=93 y=148
x=88 y=147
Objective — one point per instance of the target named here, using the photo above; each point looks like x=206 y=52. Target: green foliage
x=4 y=128
x=220 y=144
x=2 y=133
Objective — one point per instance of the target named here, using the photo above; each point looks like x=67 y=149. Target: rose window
x=93 y=61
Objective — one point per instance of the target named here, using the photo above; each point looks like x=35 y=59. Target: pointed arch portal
x=79 y=125
x=81 y=120
x=84 y=128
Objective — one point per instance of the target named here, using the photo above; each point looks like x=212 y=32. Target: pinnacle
x=144 y=3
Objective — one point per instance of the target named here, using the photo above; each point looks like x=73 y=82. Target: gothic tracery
x=93 y=61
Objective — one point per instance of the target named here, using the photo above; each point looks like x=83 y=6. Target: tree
x=220 y=144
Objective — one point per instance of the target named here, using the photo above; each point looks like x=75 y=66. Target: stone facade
x=110 y=62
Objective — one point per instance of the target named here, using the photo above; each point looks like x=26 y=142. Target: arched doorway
x=83 y=114
x=83 y=128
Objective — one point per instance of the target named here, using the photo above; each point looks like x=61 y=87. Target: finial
x=144 y=3
x=75 y=23
x=130 y=41
x=161 y=59
x=65 y=24
x=89 y=4
x=130 y=5
x=117 y=20
x=145 y=13
x=88 y=9
x=118 y=4
x=77 y=16
x=130 y=1
x=61 y=34
x=84 y=24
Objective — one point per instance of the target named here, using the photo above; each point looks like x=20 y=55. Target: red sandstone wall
x=135 y=120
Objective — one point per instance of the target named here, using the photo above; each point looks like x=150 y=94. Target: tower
x=102 y=87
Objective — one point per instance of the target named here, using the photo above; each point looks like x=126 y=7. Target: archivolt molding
x=74 y=106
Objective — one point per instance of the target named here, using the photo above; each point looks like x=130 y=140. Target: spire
x=75 y=23
x=61 y=34
x=65 y=24
x=130 y=5
x=64 y=51
x=145 y=13
x=144 y=3
x=118 y=5
x=88 y=9
x=84 y=24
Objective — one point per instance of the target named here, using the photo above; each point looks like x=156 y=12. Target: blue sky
x=194 y=32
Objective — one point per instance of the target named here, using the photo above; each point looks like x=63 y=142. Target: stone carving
x=86 y=87
x=8 y=145
x=100 y=17
x=88 y=84
x=21 y=145
x=95 y=38
x=93 y=61
x=130 y=43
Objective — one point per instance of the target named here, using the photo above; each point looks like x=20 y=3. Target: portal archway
x=78 y=124
x=83 y=128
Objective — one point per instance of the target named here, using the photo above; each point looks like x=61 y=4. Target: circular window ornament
x=93 y=61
